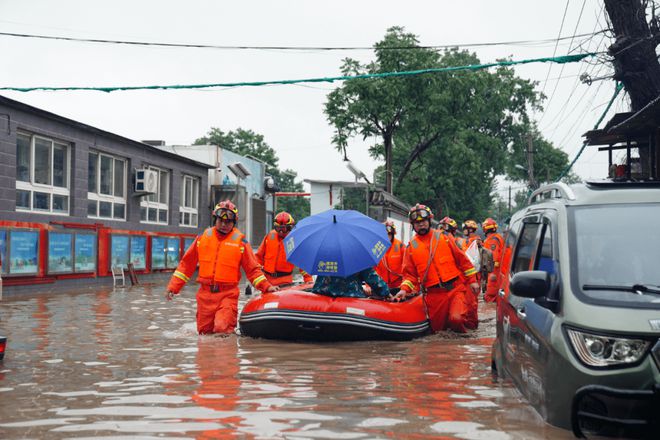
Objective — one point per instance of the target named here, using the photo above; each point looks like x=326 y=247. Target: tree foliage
x=448 y=131
x=248 y=143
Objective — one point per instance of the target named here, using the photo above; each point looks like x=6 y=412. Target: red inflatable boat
x=298 y=314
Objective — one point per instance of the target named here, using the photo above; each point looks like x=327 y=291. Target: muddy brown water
x=126 y=364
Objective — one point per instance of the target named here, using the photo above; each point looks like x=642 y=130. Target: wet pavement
x=127 y=364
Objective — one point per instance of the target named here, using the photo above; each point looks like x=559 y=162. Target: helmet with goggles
x=419 y=212
x=489 y=225
x=471 y=224
x=450 y=223
x=284 y=221
x=226 y=210
x=390 y=227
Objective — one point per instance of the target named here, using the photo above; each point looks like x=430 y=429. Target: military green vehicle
x=578 y=315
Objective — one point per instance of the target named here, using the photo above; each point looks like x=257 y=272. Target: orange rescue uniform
x=495 y=243
x=390 y=267
x=272 y=258
x=444 y=278
x=220 y=258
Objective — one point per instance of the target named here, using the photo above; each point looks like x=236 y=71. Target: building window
x=154 y=207
x=106 y=186
x=188 y=210
x=42 y=174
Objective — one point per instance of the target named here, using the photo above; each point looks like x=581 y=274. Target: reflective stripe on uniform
x=258 y=280
x=409 y=284
x=181 y=276
x=470 y=272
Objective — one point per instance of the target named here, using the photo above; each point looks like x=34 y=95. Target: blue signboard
x=158 y=252
x=119 y=251
x=85 y=253
x=173 y=244
x=186 y=244
x=23 y=252
x=60 y=256
x=139 y=252
x=3 y=250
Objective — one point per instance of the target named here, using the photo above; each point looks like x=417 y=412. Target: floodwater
x=127 y=364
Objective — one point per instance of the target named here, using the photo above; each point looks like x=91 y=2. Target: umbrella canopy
x=336 y=243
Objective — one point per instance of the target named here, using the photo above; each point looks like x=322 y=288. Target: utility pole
x=530 y=163
x=634 y=56
x=509 y=199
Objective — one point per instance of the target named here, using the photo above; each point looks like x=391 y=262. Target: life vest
x=220 y=256
x=390 y=267
x=275 y=257
x=443 y=267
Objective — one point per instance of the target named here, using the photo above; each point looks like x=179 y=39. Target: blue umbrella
x=336 y=243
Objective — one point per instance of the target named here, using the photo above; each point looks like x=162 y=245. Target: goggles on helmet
x=279 y=227
x=390 y=229
x=225 y=214
x=419 y=215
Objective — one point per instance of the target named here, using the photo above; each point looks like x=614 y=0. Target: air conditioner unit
x=146 y=181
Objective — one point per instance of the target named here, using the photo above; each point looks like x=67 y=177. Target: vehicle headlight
x=604 y=351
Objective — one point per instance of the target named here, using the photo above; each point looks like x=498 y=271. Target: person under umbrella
x=341 y=248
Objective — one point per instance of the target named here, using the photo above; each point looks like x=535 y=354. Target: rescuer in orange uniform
x=390 y=267
x=495 y=243
x=472 y=301
x=470 y=226
x=220 y=251
x=272 y=257
x=434 y=265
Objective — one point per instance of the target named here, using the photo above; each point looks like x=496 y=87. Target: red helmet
x=284 y=219
x=471 y=224
x=419 y=212
x=226 y=210
x=450 y=222
x=489 y=225
x=390 y=226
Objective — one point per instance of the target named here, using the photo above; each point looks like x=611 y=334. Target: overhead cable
x=559 y=60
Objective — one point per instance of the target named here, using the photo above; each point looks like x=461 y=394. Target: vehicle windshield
x=617 y=247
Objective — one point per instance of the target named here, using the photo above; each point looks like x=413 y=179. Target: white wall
x=322 y=198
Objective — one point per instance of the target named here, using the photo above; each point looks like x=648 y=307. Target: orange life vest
x=220 y=256
x=275 y=257
x=390 y=267
x=443 y=267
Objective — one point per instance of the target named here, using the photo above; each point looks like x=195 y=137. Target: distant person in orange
x=221 y=251
x=272 y=257
x=436 y=266
x=470 y=229
x=495 y=243
x=472 y=301
x=390 y=267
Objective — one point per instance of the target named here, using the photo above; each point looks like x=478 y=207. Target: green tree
x=248 y=143
x=445 y=134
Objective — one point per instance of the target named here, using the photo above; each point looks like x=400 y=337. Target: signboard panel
x=119 y=251
x=158 y=245
x=139 y=252
x=60 y=255
x=23 y=252
x=85 y=253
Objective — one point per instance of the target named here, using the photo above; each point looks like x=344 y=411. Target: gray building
x=76 y=200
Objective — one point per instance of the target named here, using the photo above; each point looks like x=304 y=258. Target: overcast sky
x=289 y=116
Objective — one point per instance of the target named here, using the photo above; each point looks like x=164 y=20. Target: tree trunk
x=419 y=149
x=635 y=61
x=387 y=141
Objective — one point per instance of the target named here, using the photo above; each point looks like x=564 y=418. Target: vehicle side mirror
x=531 y=284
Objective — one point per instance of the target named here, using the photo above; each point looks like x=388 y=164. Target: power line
x=554 y=52
x=292 y=48
x=503 y=63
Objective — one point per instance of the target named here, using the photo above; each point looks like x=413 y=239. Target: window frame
x=147 y=204
x=50 y=189
x=195 y=183
x=98 y=197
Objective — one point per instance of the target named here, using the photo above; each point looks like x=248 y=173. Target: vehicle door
x=513 y=308
x=503 y=341
x=534 y=318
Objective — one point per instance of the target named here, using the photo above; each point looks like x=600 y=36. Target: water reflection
x=123 y=364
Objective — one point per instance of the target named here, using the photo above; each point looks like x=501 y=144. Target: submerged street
x=127 y=364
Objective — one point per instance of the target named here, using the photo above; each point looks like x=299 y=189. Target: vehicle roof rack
x=557 y=190
x=608 y=183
